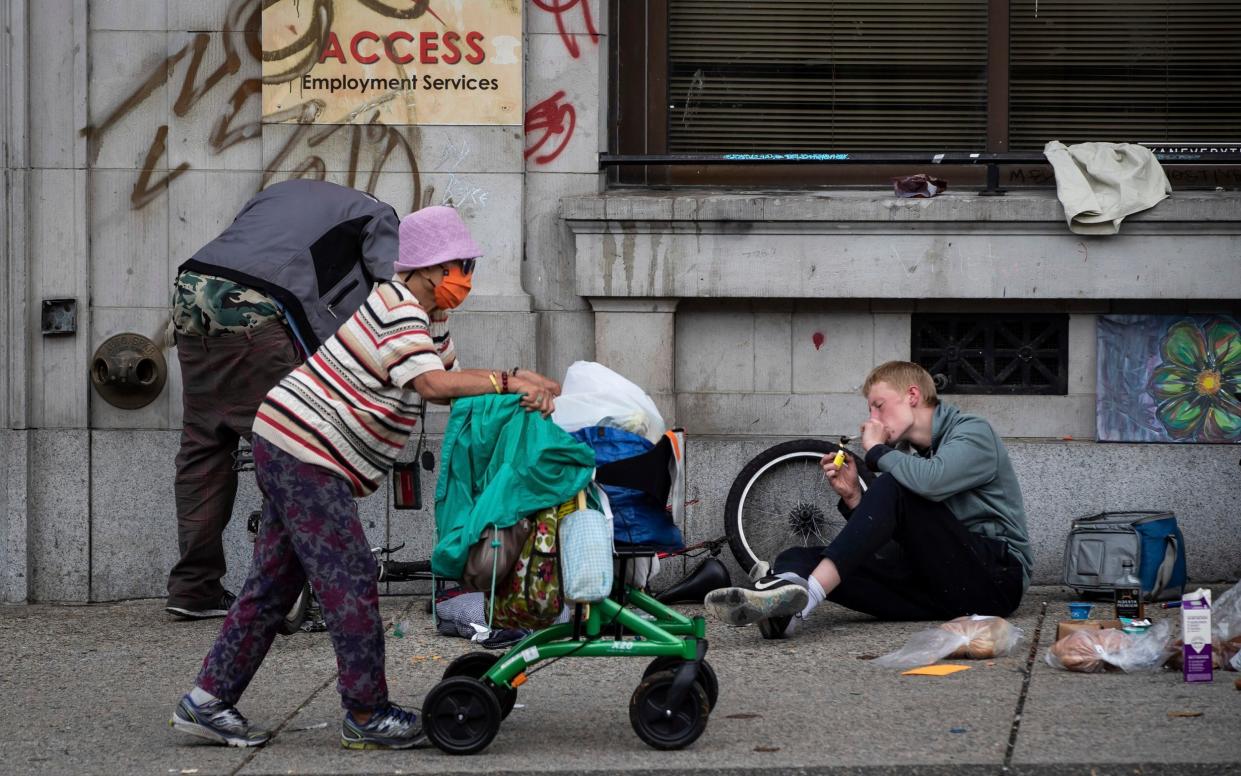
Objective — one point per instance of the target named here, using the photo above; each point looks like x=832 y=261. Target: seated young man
x=939 y=534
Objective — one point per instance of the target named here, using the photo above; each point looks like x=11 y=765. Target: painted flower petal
x=1222 y=422
x=1169 y=382
x=1224 y=340
x=1182 y=417
x=1183 y=345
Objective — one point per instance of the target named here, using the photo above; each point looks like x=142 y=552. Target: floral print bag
x=531 y=597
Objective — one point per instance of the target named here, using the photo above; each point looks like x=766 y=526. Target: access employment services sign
x=395 y=62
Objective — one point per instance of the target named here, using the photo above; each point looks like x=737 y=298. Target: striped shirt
x=351 y=407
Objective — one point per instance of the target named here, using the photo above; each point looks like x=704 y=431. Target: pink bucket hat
x=431 y=236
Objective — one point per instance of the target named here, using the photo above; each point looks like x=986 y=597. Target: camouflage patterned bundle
x=207 y=306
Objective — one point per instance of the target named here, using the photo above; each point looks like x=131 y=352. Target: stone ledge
x=871 y=205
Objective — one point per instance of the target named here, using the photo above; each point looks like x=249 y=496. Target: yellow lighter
x=840 y=453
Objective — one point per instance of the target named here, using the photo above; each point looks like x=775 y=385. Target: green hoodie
x=967 y=468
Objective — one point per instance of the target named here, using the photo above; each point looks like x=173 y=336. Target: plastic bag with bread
x=987 y=636
x=1094 y=651
x=975 y=637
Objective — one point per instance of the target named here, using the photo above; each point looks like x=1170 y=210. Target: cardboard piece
x=1065 y=627
x=942 y=669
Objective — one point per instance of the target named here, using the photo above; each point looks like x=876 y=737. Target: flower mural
x=1197 y=384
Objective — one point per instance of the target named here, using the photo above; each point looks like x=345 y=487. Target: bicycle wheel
x=292 y=620
x=781 y=499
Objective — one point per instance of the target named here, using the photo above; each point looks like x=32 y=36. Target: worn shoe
x=771 y=597
x=203 y=611
x=216 y=721
x=776 y=627
x=391 y=728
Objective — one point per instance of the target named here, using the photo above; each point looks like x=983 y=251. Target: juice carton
x=1196 y=634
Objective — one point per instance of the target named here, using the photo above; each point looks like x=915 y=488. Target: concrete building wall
x=131 y=136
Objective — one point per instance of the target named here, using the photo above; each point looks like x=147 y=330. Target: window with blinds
x=817 y=75
x=1132 y=71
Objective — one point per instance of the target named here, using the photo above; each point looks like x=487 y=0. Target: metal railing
x=1166 y=154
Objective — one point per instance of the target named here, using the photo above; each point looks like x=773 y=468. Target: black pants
x=902 y=557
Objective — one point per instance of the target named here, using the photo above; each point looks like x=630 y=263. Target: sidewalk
x=89 y=689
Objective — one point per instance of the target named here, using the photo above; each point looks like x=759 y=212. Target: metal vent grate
x=983 y=353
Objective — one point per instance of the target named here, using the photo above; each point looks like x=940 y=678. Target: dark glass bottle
x=1128 y=590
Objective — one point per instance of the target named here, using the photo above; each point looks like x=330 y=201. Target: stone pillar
x=14 y=139
x=636 y=337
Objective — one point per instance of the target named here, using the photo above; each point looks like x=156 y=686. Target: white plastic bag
x=1226 y=614
x=593 y=395
x=1094 y=651
x=975 y=636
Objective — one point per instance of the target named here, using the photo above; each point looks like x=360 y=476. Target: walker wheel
x=475 y=664
x=461 y=715
x=706 y=675
x=664 y=727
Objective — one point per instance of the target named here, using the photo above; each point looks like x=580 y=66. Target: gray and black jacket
x=315 y=247
x=968 y=470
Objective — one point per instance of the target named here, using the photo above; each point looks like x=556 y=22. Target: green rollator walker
x=670 y=707
x=668 y=710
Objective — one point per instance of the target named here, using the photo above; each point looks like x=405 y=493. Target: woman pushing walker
x=325 y=435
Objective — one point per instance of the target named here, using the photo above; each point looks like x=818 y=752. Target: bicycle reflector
x=406 y=485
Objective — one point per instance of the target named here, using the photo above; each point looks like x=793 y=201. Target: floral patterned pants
x=310 y=529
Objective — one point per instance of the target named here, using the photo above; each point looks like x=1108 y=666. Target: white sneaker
x=771 y=597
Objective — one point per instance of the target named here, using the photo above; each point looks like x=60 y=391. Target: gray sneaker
x=216 y=721
x=389 y=728
x=771 y=597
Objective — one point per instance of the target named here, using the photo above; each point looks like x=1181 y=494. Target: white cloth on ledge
x=1101 y=183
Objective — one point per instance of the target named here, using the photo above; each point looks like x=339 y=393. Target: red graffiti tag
x=560 y=8
x=549 y=117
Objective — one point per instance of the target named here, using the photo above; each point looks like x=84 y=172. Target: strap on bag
x=1164 y=575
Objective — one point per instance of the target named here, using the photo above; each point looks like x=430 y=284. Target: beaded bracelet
x=504 y=381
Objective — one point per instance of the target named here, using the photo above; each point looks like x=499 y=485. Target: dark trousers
x=224 y=381
x=310 y=529
x=902 y=557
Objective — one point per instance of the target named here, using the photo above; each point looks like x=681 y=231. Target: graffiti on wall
x=1169 y=378
x=373 y=147
x=555 y=116
x=559 y=8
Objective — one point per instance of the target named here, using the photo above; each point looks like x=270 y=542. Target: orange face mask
x=453 y=289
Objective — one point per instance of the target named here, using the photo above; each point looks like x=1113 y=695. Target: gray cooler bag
x=1099 y=545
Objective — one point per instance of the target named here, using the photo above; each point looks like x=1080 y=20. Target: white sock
x=199 y=696
x=817 y=596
